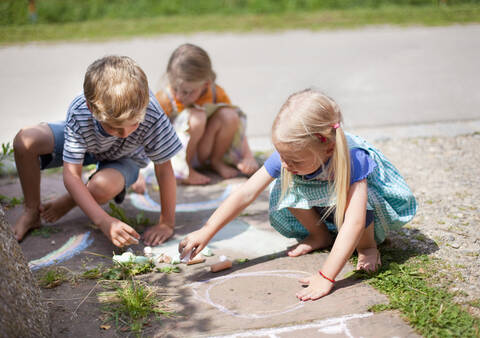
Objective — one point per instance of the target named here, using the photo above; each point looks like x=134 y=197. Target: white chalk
x=207 y=252
x=148 y=251
x=186 y=258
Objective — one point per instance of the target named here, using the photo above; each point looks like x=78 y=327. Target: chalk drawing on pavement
x=203 y=289
x=146 y=203
x=333 y=326
x=72 y=247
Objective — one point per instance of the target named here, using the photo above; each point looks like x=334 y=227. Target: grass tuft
x=431 y=310
x=139 y=221
x=132 y=303
x=52 y=277
x=45 y=231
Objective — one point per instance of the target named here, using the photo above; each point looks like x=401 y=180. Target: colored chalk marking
x=146 y=203
x=71 y=248
x=329 y=326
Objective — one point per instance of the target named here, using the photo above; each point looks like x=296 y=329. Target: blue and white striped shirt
x=154 y=138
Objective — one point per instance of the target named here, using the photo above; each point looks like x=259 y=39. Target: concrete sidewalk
x=254 y=299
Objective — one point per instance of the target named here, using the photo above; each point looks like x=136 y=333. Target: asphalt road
x=381 y=76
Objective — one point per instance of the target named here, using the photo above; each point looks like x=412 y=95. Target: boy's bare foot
x=368 y=259
x=248 y=166
x=224 y=170
x=310 y=243
x=30 y=219
x=195 y=178
x=140 y=185
x=52 y=211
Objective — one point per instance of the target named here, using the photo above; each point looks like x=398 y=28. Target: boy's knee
x=22 y=141
x=102 y=188
x=38 y=139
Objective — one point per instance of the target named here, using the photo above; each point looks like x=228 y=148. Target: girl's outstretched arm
x=241 y=198
x=347 y=239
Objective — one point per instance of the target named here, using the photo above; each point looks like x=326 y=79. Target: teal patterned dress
x=389 y=197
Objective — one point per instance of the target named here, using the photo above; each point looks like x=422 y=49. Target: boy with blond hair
x=116 y=123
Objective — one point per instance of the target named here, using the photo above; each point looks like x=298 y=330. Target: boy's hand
x=317 y=287
x=193 y=243
x=158 y=234
x=119 y=233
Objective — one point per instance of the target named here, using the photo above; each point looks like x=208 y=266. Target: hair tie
x=336 y=125
x=322 y=138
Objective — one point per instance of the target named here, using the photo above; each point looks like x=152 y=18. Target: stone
x=22 y=313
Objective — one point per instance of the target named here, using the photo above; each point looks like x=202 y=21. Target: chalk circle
x=210 y=284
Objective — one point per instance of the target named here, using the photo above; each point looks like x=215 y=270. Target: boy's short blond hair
x=116 y=90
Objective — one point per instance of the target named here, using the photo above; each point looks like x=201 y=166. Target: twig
x=60 y=299
x=416 y=290
x=96 y=254
x=74 y=313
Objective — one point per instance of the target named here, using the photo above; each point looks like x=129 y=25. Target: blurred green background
x=23 y=20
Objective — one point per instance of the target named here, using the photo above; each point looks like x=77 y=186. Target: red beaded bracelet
x=329 y=279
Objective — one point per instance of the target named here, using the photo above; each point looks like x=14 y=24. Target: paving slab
x=255 y=298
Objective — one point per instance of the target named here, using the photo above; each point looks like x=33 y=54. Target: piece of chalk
x=196 y=261
x=167 y=259
x=223 y=265
x=207 y=251
x=186 y=258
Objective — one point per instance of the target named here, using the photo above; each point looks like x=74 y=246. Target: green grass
x=137 y=222
x=103 y=29
x=10 y=202
x=51 y=278
x=415 y=287
x=132 y=305
x=45 y=231
x=123 y=271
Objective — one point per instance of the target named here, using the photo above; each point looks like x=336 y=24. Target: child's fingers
x=182 y=245
x=116 y=243
x=131 y=231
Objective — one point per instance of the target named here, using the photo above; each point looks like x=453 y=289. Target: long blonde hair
x=189 y=63
x=311 y=120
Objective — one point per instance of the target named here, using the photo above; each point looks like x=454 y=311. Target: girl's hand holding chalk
x=194 y=243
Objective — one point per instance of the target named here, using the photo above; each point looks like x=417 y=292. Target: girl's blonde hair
x=116 y=90
x=189 y=63
x=311 y=120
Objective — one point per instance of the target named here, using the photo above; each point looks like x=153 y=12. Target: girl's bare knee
x=197 y=120
x=229 y=116
x=301 y=212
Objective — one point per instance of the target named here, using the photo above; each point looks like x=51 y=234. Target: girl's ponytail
x=341 y=173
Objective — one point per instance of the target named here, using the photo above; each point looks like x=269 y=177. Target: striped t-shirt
x=154 y=138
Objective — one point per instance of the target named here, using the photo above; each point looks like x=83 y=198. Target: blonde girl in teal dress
x=322 y=180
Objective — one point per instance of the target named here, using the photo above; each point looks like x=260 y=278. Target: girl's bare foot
x=368 y=259
x=248 y=166
x=310 y=243
x=54 y=210
x=224 y=170
x=195 y=178
x=30 y=219
x=140 y=186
